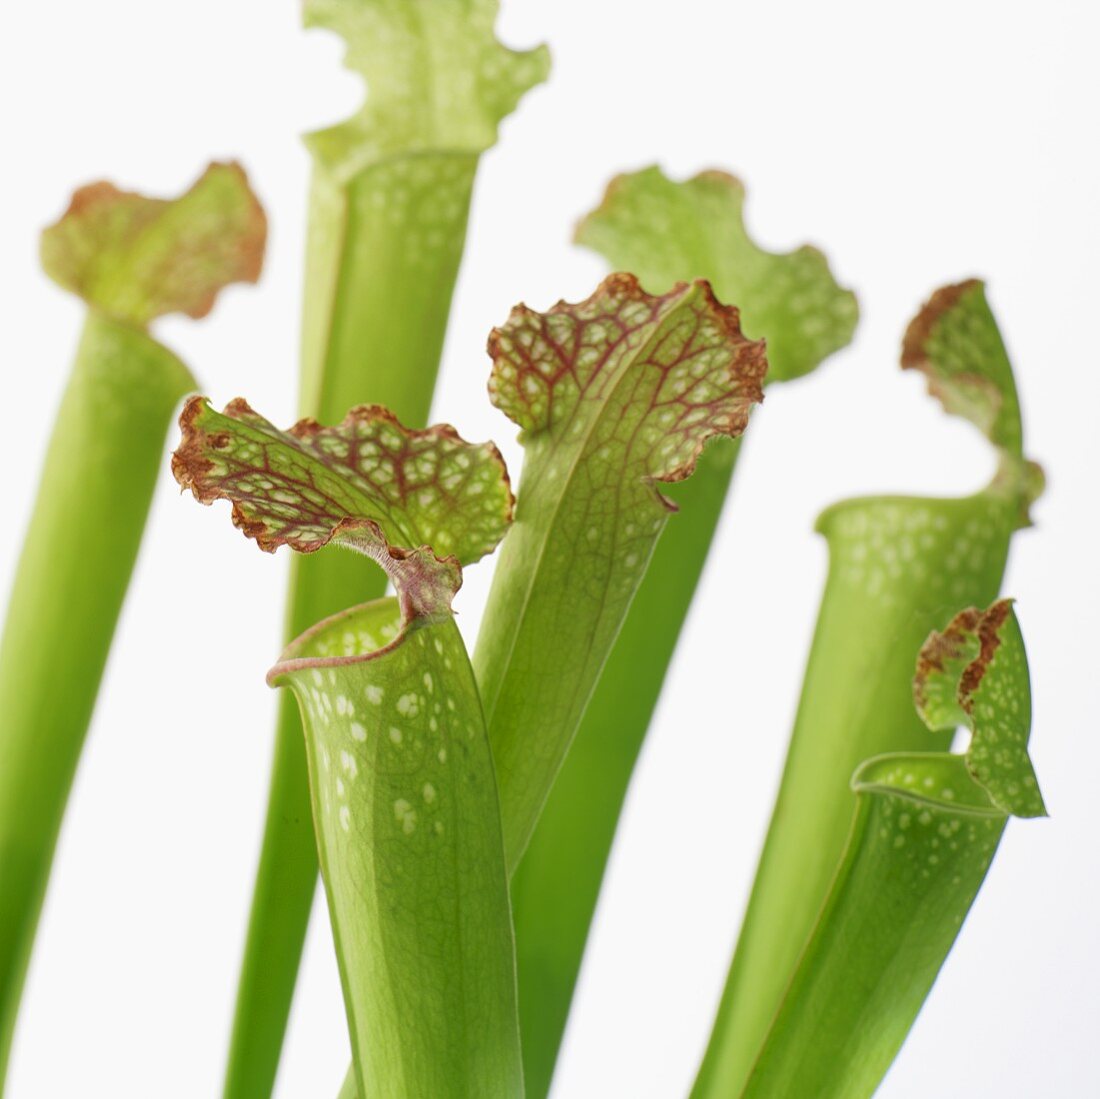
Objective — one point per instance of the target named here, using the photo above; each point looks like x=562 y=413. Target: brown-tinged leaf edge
x=958 y=659
x=950 y=644
x=921 y=327
x=1017 y=476
x=189 y=466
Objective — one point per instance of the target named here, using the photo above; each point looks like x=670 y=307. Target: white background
x=917 y=144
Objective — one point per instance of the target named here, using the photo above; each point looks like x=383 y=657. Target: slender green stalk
x=131 y=258
x=389 y=202
x=98 y=480
x=664 y=232
x=898 y=566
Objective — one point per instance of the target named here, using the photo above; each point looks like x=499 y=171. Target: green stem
x=378 y=294
x=101 y=468
x=554 y=892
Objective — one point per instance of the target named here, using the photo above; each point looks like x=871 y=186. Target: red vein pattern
x=677 y=366
x=419 y=502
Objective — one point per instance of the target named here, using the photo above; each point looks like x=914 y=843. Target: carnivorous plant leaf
x=402 y=787
x=615 y=395
x=898 y=566
x=926 y=827
x=663 y=231
x=131 y=258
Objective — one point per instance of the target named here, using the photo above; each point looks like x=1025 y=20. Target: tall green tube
x=102 y=465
